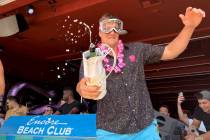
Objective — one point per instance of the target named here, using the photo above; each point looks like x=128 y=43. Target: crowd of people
x=67 y=105
x=197 y=121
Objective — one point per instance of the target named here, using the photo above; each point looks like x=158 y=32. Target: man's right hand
x=87 y=92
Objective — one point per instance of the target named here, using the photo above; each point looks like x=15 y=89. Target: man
x=48 y=110
x=71 y=106
x=202 y=113
x=126 y=111
x=14 y=108
x=164 y=110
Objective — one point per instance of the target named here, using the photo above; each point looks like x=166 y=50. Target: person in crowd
x=164 y=109
x=71 y=106
x=184 y=115
x=48 y=110
x=201 y=113
x=14 y=108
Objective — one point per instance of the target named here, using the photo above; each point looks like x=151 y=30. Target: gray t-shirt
x=127 y=107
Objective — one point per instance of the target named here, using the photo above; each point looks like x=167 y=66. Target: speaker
x=12 y=24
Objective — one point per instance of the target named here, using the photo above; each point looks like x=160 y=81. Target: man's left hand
x=192 y=17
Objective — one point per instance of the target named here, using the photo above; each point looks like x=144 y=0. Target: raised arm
x=181 y=115
x=191 y=19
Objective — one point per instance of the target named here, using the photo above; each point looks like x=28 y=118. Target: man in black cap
x=201 y=113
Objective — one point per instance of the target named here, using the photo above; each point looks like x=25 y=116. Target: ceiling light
x=59 y=76
x=67 y=50
x=30 y=10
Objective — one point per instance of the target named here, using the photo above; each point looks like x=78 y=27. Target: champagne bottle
x=92 y=50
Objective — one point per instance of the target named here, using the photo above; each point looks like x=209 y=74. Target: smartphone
x=181 y=94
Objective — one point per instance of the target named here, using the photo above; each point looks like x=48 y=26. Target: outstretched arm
x=191 y=20
x=2 y=81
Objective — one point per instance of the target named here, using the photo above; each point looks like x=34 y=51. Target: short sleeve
x=152 y=54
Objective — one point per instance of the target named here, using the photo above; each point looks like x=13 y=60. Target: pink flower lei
x=120 y=58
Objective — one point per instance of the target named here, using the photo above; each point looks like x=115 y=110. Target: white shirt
x=202 y=126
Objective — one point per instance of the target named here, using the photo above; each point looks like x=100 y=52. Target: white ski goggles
x=109 y=25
